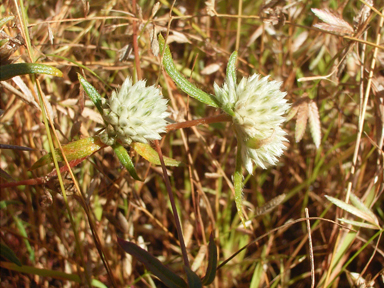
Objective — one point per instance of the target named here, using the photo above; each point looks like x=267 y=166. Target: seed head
x=134 y=114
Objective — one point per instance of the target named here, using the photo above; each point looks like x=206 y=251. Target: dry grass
x=75 y=37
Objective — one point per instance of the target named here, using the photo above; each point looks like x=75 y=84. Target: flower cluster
x=135 y=114
x=259 y=107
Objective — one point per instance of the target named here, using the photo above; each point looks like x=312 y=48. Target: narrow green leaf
x=179 y=79
x=8 y=253
x=79 y=149
x=212 y=262
x=238 y=185
x=359 y=224
x=351 y=209
x=12 y=70
x=169 y=278
x=5 y=20
x=23 y=232
x=193 y=280
x=124 y=158
x=231 y=69
x=149 y=154
x=91 y=92
x=361 y=206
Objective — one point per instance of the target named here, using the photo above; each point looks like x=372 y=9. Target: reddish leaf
x=79 y=149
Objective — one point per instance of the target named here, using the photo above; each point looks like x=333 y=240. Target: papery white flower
x=135 y=114
x=259 y=107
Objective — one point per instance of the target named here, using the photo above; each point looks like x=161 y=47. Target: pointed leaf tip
x=212 y=262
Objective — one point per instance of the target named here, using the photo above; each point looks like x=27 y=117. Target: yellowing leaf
x=148 y=153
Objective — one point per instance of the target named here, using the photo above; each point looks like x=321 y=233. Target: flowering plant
x=255 y=106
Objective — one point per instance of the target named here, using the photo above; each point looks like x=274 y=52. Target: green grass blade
x=371 y=217
x=23 y=233
x=351 y=209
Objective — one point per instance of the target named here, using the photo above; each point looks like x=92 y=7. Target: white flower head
x=259 y=107
x=134 y=114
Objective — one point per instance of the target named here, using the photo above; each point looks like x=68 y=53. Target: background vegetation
x=99 y=39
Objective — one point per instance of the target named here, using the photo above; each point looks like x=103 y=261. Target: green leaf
x=231 y=69
x=91 y=92
x=361 y=213
x=169 y=278
x=7 y=253
x=149 y=154
x=212 y=262
x=179 y=79
x=238 y=185
x=23 y=232
x=193 y=280
x=371 y=217
x=79 y=149
x=12 y=70
x=359 y=224
x=124 y=158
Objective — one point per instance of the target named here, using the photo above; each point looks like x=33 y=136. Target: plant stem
x=172 y=200
x=206 y=120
